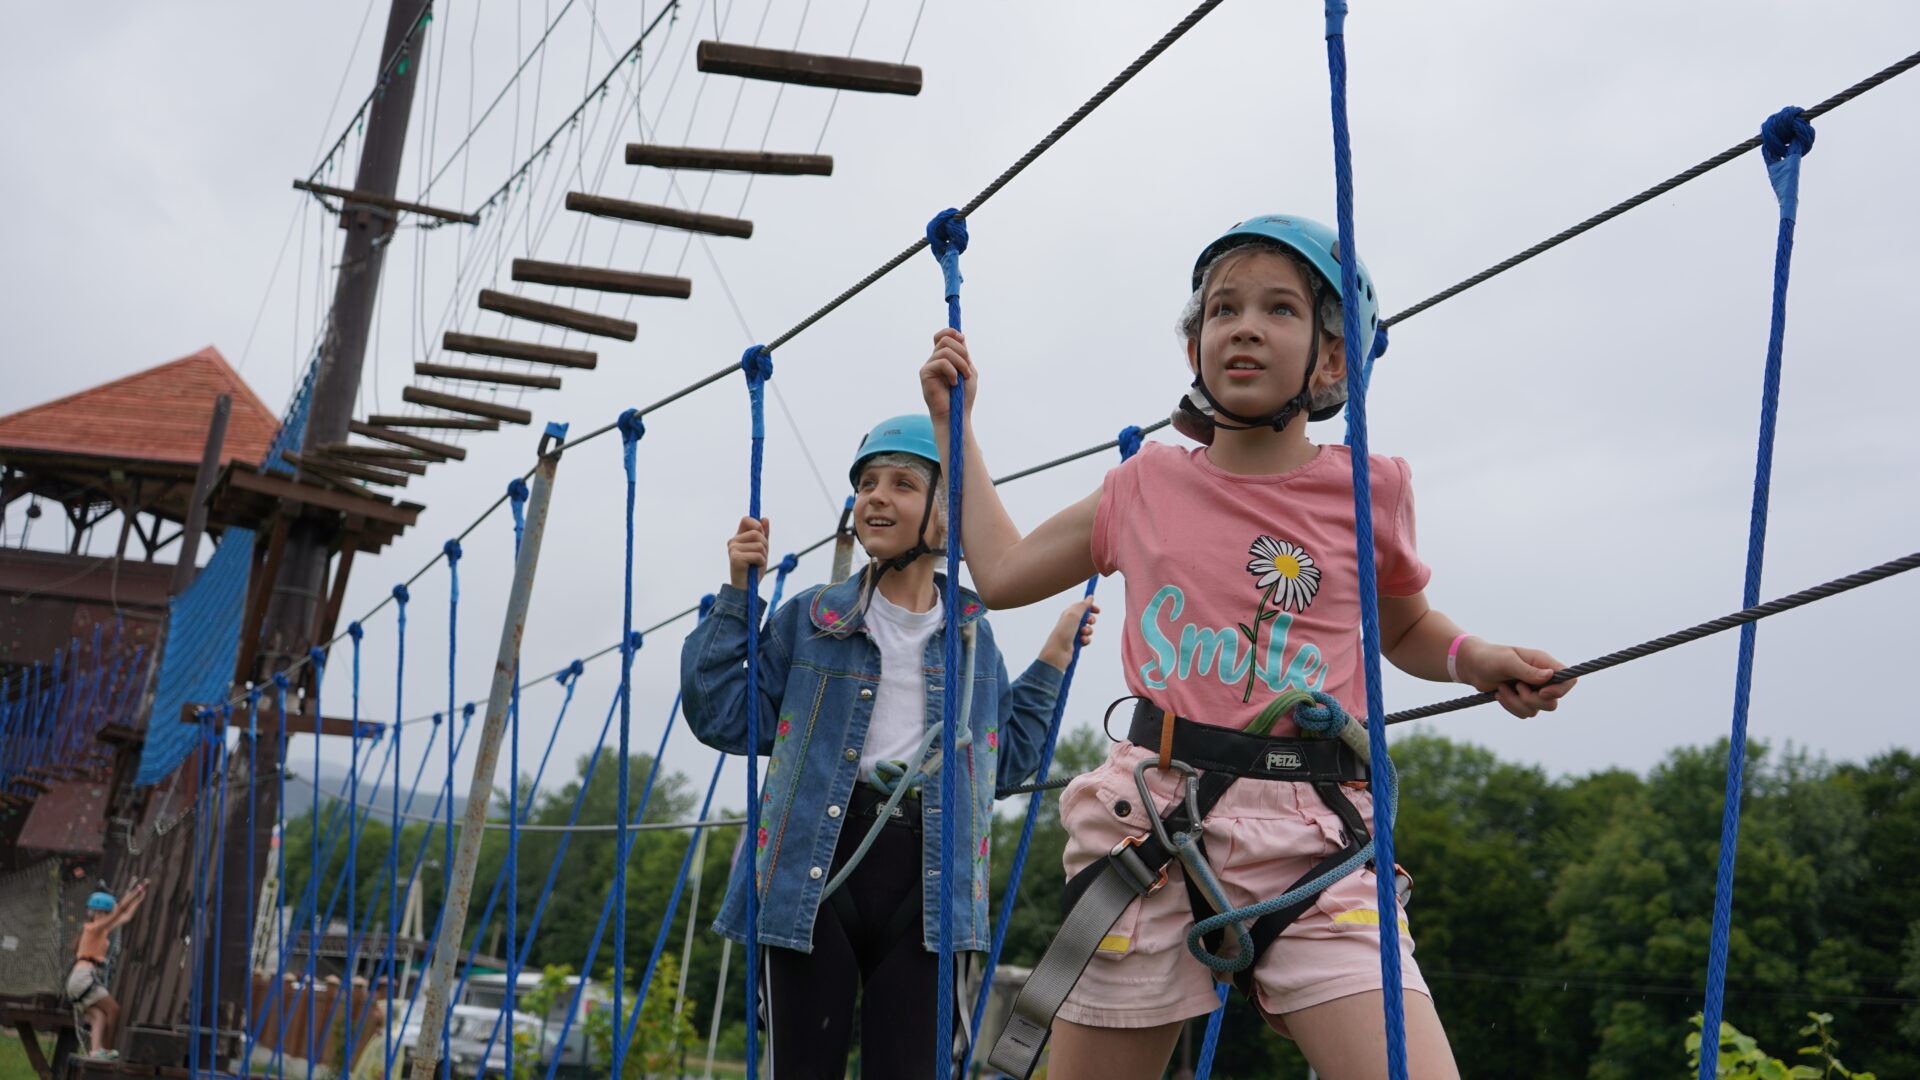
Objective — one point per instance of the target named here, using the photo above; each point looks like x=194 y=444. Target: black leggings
x=867 y=945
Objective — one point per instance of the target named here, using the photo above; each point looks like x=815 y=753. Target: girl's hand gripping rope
x=747 y=547
x=943 y=370
x=1079 y=616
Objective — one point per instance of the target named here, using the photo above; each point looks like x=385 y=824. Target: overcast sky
x=1581 y=429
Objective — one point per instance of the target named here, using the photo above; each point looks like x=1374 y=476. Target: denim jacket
x=819 y=670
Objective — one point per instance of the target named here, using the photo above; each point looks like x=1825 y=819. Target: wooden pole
x=183 y=571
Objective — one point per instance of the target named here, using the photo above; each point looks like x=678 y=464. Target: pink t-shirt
x=1240 y=586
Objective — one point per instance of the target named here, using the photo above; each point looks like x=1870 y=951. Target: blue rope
x=253 y=911
x=400 y=597
x=757 y=363
x=356 y=632
x=1204 y=1067
x=453 y=552
x=673 y=900
x=787 y=565
x=1392 y=1004
x=1129 y=442
x=220 y=864
x=1785 y=139
x=201 y=860
x=319 y=659
x=631 y=429
x=947 y=239
x=280 y=684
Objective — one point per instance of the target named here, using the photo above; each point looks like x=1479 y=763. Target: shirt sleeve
x=1119 y=491
x=1401 y=573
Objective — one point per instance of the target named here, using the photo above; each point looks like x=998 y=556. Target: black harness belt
x=1137 y=867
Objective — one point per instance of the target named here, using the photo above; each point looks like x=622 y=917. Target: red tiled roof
x=159 y=414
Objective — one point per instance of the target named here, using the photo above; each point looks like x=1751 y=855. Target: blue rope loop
x=517 y=490
x=631 y=426
x=757 y=362
x=466 y=711
x=439 y=718
x=706 y=606
x=280 y=680
x=452 y=550
x=356 y=632
x=1785 y=137
x=788 y=564
x=630 y=646
x=571 y=673
x=1129 y=441
x=319 y=657
x=401 y=594
x=947 y=237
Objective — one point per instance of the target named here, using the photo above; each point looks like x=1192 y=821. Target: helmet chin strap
x=920 y=547
x=1278 y=421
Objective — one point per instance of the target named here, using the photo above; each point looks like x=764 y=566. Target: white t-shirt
x=900 y=701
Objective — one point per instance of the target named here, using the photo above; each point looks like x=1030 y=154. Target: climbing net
x=1785 y=139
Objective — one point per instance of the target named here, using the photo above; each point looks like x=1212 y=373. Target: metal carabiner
x=1152 y=808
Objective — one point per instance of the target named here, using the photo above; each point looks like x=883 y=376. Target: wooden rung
x=667 y=216
x=808 y=69
x=401 y=438
x=455 y=423
x=470 y=406
x=519 y=350
x=412 y=468
x=591 y=277
x=377 y=453
x=333 y=468
x=386 y=202
x=505 y=378
x=752 y=161
x=554 y=315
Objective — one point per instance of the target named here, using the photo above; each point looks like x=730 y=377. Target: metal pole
x=183 y=571
x=453 y=920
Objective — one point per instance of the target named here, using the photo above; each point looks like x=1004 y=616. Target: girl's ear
x=1332 y=367
x=1193 y=356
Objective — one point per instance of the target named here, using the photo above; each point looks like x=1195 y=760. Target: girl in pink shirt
x=1241 y=583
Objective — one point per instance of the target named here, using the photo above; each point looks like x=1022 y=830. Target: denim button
x=852 y=754
x=866 y=693
x=833 y=811
x=815 y=873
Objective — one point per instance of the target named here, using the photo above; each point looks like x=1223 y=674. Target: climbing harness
x=1317 y=247
x=1208 y=760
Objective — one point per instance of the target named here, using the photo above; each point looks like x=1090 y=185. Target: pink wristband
x=1453 y=657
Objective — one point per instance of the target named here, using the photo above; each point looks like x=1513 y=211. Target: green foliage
x=663 y=1031
x=1742 y=1059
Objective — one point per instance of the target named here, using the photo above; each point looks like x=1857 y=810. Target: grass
x=13 y=1057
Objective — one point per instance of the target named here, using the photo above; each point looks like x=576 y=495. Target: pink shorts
x=1261 y=836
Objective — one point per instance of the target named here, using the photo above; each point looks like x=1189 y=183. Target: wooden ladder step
x=376 y=453
x=505 y=378
x=335 y=469
x=351 y=457
x=519 y=350
x=650 y=214
x=470 y=406
x=807 y=69
x=555 y=315
x=591 y=277
x=455 y=423
x=401 y=438
x=750 y=161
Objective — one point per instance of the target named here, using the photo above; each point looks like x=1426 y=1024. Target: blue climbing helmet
x=100 y=902
x=1317 y=247
x=911 y=433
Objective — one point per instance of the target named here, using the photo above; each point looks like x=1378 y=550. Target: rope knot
x=706 y=605
x=573 y=671
x=788 y=564
x=452 y=550
x=318 y=655
x=757 y=362
x=466 y=711
x=1785 y=132
x=517 y=490
x=437 y=718
x=401 y=594
x=1379 y=343
x=1327 y=717
x=1129 y=440
x=356 y=632
x=632 y=644
x=280 y=680
x=631 y=426
x=947 y=232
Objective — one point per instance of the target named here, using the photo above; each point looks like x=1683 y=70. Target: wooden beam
x=299 y=720
x=665 y=216
x=377 y=454
x=411 y=468
x=749 y=161
x=384 y=202
x=505 y=378
x=808 y=69
x=401 y=438
x=555 y=315
x=369 y=505
x=589 y=277
x=520 y=350
x=338 y=468
x=331 y=615
x=456 y=423
x=260 y=586
x=453 y=403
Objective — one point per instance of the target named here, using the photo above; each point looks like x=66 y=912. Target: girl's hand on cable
x=747 y=547
x=1058 y=650
x=943 y=370
x=1516 y=676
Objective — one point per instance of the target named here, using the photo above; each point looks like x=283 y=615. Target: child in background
x=87 y=979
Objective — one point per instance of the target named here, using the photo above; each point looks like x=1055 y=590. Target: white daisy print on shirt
x=1287 y=570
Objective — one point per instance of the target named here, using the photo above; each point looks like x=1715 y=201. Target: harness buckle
x=1186 y=792
x=1126 y=856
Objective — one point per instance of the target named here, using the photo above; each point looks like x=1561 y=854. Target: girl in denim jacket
x=851 y=683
